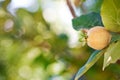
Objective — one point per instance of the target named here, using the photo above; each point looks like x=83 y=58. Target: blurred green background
x=37 y=42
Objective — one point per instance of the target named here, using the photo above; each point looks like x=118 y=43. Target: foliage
x=87 y=21
x=110 y=15
x=112 y=54
x=31 y=50
x=93 y=58
x=110 y=18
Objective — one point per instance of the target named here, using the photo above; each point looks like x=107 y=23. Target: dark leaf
x=87 y=21
x=115 y=37
x=91 y=61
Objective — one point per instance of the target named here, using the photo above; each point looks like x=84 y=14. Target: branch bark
x=71 y=8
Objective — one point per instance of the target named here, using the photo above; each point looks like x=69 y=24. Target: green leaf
x=115 y=37
x=91 y=61
x=87 y=21
x=110 y=13
x=112 y=54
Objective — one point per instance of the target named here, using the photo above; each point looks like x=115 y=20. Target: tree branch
x=71 y=8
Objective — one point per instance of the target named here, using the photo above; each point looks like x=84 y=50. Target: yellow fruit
x=98 y=37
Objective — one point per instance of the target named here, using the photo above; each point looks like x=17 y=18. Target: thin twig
x=71 y=8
